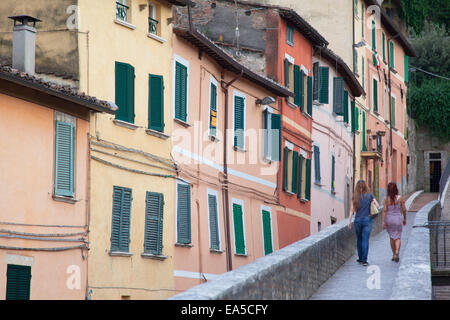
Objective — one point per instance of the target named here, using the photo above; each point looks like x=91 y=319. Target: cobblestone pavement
x=356 y=282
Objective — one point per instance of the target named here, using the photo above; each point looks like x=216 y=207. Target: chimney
x=24 y=43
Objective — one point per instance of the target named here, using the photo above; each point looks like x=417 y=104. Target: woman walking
x=394 y=218
x=363 y=222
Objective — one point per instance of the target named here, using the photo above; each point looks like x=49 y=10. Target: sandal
x=396 y=258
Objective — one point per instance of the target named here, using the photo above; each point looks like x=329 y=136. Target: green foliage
x=415 y=12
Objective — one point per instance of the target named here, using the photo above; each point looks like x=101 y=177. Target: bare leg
x=397 y=245
x=392 y=245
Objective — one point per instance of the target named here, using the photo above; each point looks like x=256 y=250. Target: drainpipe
x=353 y=57
x=224 y=85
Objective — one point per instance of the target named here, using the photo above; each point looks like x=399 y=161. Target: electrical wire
x=430 y=73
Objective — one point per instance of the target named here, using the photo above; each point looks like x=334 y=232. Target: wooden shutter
x=300 y=176
x=338 y=96
x=125 y=92
x=285 y=168
x=214 y=240
x=353 y=115
x=324 y=74
x=181 y=91
x=213 y=110
x=302 y=90
x=392 y=54
x=156 y=102
x=275 y=137
x=310 y=96
x=375 y=95
x=383 y=45
x=317 y=164
x=267 y=232
x=308 y=180
x=393 y=112
x=316 y=81
x=356 y=118
x=297 y=86
x=239 y=240
x=286 y=73
x=183 y=213
x=346 y=106
x=121 y=214
x=294 y=171
x=154 y=208
x=239 y=122
x=64 y=159
x=333 y=173
x=364 y=148
x=374 y=39
x=406 y=68
x=362 y=19
x=18 y=279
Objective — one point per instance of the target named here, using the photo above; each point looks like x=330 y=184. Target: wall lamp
x=267 y=100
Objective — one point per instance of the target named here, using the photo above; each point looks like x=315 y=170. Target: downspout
x=224 y=85
x=354 y=66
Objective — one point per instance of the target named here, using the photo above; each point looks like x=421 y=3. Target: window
x=375 y=95
x=18 y=280
x=213 y=107
x=154 y=210
x=338 y=96
x=392 y=54
x=374 y=39
x=290 y=35
x=309 y=97
x=356 y=7
x=272 y=135
x=317 y=177
x=156 y=102
x=290 y=73
x=362 y=19
x=153 y=23
x=333 y=174
x=183 y=213
x=296 y=173
x=239 y=229
x=122 y=10
x=267 y=230
x=125 y=92
x=64 y=155
x=213 y=214
x=181 y=90
x=315 y=81
x=324 y=74
x=120 y=226
x=239 y=120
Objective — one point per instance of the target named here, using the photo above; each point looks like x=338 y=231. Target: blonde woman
x=363 y=222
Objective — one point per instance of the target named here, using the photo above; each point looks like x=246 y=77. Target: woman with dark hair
x=362 y=200
x=393 y=221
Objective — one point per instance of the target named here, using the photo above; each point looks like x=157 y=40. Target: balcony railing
x=152 y=25
x=121 y=11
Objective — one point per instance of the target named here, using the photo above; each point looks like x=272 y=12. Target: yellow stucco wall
x=102 y=41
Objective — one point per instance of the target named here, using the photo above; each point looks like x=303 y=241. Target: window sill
x=241 y=255
x=289 y=193
x=306 y=114
x=376 y=112
x=64 y=199
x=120 y=254
x=155 y=37
x=213 y=138
x=125 y=124
x=216 y=251
x=292 y=105
x=184 y=245
x=238 y=149
x=183 y=123
x=267 y=160
x=157 y=134
x=153 y=256
x=393 y=70
x=394 y=128
x=304 y=200
x=318 y=184
x=125 y=24
x=317 y=103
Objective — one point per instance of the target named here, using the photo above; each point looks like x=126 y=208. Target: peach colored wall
x=26 y=184
x=208 y=173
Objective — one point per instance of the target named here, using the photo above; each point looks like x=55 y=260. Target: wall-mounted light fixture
x=266 y=100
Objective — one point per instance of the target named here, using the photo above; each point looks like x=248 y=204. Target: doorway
x=435 y=173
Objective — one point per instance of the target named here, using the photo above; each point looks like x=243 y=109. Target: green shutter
x=64 y=155
x=214 y=240
x=316 y=81
x=363 y=71
x=356 y=118
x=338 y=96
x=297 y=86
x=362 y=19
x=18 y=279
x=302 y=90
x=333 y=173
x=317 y=176
x=285 y=168
x=406 y=67
x=181 y=91
x=154 y=209
x=392 y=54
x=239 y=122
x=355 y=62
x=353 y=115
x=310 y=96
x=125 y=92
x=238 y=229
x=267 y=232
x=183 y=213
x=300 y=176
x=375 y=95
x=294 y=171
x=374 y=39
x=156 y=102
x=364 y=148
x=286 y=73
x=120 y=226
x=324 y=74
x=346 y=106
x=393 y=111
x=276 y=137
x=383 y=43
x=308 y=180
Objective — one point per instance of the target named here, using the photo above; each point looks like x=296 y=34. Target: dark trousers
x=363 y=227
